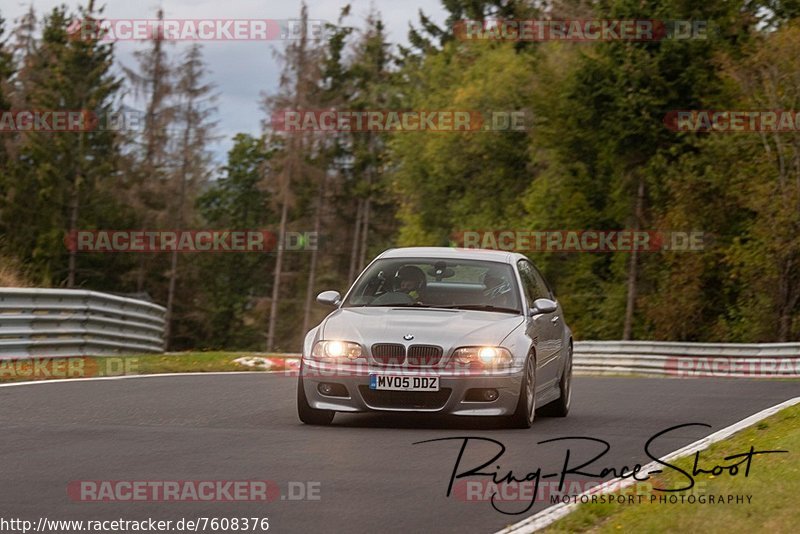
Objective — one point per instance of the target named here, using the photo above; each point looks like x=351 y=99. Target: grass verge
x=134 y=364
x=773 y=484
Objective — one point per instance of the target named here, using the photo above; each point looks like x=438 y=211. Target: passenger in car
x=497 y=290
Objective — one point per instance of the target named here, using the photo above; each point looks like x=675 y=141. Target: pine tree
x=7 y=69
x=152 y=82
x=231 y=283
x=299 y=83
x=333 y=94
x=57 y=174
x=192 y=164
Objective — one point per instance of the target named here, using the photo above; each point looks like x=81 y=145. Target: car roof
x=501 y=256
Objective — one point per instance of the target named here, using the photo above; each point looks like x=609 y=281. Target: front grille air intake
x=424 y=355
x=389 y=353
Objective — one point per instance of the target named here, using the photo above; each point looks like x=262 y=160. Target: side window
x=528 y=282
x=544 y=288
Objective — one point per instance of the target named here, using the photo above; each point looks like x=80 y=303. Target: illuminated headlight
x=489 y=356
x=343 y=350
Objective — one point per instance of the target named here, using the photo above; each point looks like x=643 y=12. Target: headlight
x=338 y=350
x=488 y=356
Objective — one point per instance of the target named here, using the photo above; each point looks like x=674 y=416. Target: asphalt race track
x=371 y=477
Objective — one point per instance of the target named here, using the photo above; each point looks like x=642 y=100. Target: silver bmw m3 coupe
x=444 y=331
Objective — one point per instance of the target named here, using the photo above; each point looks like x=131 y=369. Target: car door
x=555 y=318
x=542 y=328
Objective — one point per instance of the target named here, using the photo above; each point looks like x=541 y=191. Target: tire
x=526 y=406
x=560 y=406
x=307 y=414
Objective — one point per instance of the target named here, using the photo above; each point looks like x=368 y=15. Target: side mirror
x=543 y=306
x=331 y=298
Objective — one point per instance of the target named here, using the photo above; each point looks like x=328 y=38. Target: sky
x=241 y=70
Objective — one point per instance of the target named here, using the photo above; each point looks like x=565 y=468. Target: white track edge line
x=553 y=513
x=121 y=377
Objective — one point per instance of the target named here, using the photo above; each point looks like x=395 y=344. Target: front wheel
x=526 y=406
x=307 y=414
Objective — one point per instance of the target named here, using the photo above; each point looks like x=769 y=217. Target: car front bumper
x=450 y=400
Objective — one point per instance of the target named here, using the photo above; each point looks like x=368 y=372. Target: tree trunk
x=295 y=153
x=276 y=283
x=74 y=212
x=173 y=271
x=789 y=296
x=633 y=268
x=784 y=327
x=154 y=147
x=356 y=242
x=140 y=274
x=74 y=209
x=367 y=205
x=312 y=271
x=364 y=234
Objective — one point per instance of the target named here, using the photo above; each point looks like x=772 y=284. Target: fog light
x=482 y=395
x=332 y=390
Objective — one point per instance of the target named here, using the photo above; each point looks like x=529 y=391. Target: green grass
x=196 y=362
x=773 y=483
x=182 y=362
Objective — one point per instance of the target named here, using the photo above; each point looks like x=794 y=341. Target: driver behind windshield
x=408 y=281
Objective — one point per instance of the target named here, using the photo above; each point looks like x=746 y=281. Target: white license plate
x=404 y=383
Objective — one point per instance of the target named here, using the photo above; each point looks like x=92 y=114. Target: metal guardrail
x=667 y=358
x=662 y=358
x=67 y=322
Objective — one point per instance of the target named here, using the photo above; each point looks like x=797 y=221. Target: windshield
x=437 y=283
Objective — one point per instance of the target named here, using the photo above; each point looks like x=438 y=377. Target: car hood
x=446 y=328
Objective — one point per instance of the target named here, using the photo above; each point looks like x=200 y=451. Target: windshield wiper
x=481 y=307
